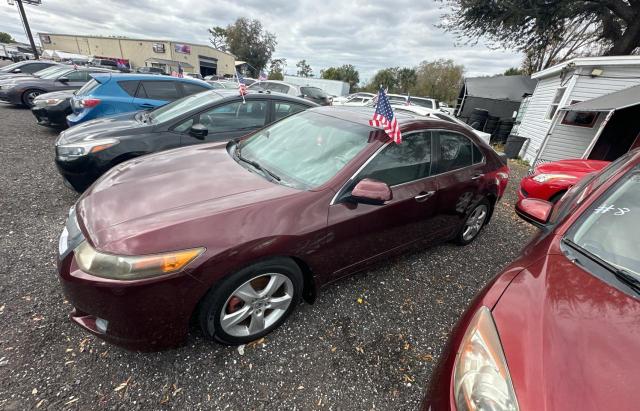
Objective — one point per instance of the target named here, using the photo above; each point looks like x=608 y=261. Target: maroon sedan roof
x=407 y=122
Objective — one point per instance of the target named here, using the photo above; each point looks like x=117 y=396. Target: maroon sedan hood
x=570 y=339
x=572 y=167
x=169 y=188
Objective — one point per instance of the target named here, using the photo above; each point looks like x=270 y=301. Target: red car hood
x=570 y=339
x=577 y=168
x=168 y=188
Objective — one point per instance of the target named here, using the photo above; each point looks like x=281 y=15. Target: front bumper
x=144 y=315
x=81 y=172
x=529 y=188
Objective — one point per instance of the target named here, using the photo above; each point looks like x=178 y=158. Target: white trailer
x=332 y=87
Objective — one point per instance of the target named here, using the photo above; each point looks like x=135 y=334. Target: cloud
x=370 y=34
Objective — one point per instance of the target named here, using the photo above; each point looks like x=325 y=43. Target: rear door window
x=456 y=151
x=129 y=86
x=158 y=90
x=78 y=76
x=283 y=109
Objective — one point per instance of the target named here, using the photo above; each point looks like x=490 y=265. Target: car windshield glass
x=88 y=88
x=52 y=75
x=7 y=69
x=176 y=108
x=610 y=228
x=52 y=69
x=306 y=148
x=422 y=103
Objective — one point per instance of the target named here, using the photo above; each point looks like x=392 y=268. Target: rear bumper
x=50 y=116
x=11 y=96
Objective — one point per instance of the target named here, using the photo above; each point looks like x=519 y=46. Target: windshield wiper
x=255 y=164
x=623 y=275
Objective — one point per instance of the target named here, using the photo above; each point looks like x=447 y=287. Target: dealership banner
x=182 y=48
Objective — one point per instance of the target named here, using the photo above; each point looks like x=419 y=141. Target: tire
x=245 y=293
x=29 y=95
x=474 y=223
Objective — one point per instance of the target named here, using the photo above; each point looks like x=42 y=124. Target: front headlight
x=71 y=151
x=541 y=178
x=481 y=377
x=132 y=267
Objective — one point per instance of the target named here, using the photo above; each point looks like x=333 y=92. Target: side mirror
x=370 y=191
x=199 y=131
x=534 y=211
x=17 y=71
x=63 y=79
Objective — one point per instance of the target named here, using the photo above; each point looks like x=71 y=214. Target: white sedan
x=427 y=112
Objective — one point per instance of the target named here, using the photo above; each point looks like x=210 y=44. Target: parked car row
x=315 y=94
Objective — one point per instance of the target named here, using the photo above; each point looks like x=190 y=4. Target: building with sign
x=165 y=54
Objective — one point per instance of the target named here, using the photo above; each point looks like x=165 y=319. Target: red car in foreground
x=234 y=235
x=559 y=328
x=549 y=181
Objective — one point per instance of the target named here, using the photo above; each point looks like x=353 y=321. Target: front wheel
x=252 y=302
x=474 y=223
x=28 y=97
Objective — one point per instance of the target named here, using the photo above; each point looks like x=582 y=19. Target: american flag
x=385 y=118
x=242 y=88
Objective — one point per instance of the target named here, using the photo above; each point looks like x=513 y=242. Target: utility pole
x=27 y=29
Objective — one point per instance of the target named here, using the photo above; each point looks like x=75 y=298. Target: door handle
x=477 y=176
x=423 y=196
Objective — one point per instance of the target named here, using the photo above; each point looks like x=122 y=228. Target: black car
x=52 y=109
x=24 y=67
x=21 y=91
x=317 y=95
x=86 y=151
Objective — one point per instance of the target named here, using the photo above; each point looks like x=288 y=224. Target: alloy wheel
x=474 y=222
x=256 y=305
x=31 y=96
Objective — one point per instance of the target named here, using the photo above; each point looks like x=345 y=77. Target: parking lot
x=369 y=342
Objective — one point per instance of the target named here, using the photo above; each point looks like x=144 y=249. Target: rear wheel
x=474 y=223
x=252 y=302
x=29 y=95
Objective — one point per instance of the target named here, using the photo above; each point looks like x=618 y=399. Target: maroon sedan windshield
x=307 y=148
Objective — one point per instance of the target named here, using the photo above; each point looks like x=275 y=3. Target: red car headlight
x=481 y=379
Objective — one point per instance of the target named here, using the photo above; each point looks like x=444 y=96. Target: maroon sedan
x=234 y=235
x=559 y=328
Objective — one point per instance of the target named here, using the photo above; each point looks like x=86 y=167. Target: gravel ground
x=369 y=342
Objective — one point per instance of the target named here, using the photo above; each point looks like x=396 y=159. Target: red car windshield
x=609 y=229
x=306 y=148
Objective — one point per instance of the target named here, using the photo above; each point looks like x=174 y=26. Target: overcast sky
x=371 y=34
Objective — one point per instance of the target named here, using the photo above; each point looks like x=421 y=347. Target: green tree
x=304 y=69
x=513 y=71
x=387 y=78
x=6 y=38
x=346 y=73
x=276 y=69
x=247 y=40
x=407 y=78
x=440 y=79
x=548 y=31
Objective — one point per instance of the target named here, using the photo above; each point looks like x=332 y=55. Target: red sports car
x=234 y=235
x=549 y=181
x=558 y=329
